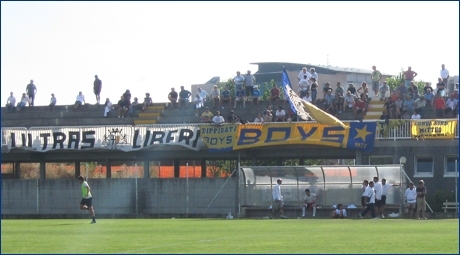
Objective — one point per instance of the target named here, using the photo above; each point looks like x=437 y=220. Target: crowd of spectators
x=406 y=101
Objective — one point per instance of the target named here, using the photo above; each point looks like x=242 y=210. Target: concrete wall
x=118 y=196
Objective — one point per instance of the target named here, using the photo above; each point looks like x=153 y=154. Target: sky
x=153 y=46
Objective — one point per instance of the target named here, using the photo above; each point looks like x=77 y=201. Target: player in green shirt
x=87 y=199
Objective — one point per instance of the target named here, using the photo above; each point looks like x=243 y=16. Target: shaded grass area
x=230 y=236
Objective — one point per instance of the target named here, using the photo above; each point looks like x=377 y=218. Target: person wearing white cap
x=277 y=199
x=256 y=94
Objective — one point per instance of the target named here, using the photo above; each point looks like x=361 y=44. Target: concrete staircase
x=375 y=109
x=151 y=115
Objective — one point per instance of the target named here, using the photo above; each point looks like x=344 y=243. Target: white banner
x=125 y=138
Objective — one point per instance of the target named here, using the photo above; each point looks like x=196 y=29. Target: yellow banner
x=433 y=129
x=358 y=135
x=249 y=136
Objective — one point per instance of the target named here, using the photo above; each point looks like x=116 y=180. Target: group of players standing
x=374 y=197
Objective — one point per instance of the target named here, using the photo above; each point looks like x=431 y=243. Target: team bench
x=449 y=205
x=294 y=211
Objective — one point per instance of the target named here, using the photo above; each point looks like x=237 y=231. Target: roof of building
x=278 y=66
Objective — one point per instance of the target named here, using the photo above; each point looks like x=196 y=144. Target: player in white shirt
x=277 y=199
x=369 y=195
x=411 y=198
x=378 y=194
x=309 y=202
x=383 y=202
x=444 y=74
x=339 y=212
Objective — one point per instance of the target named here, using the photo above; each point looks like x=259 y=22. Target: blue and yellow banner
x=359 y=136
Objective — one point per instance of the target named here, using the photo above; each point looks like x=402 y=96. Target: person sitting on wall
x=240 y=95
x=274 y=94
x=280 y=115
x=108 y=107
x=339 y=212
x=22 y=103
x=10 y=103
x=348 y=101
x=122 y=107
x=225 y=97
x=256 y=94
x=172 y=97
x=147 y=101
x=184 y=96
x=80 y=101
x=215 y=95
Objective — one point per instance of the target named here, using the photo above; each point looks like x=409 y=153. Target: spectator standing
x=10 y=103
x=304 y=82
x=172 y=97
x=215 y=95
x=314 y=74
x=108 y=107
x=451 y=105
x=218 y=119
x=240 y=95
x=421 y=203
x=385 y=187
x=274 y=94
x=225 y=97
x=419 y=105
x=23 y=102
x=280 y=115
x=97 y=86
x=439 y=106
x=384 y=91
x=339 y=212
x=277 y=199
x=52 y=103
x=184 y=96
x=304 y=74
x=314 y=89
x=369 y=195
x=31 y=90
x=147 y=101
x=198 y=101
x=444 y=74
x=80 y=101
x=238 y=80
x=256 y=94
x=411 y=199
x=408 y=76
x=376 y=77
x=206 y=116
x=249 y=81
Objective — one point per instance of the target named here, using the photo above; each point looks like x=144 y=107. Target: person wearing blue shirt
x=256 y=94
x=238 y=80
x=225 y=97
x=240 y=95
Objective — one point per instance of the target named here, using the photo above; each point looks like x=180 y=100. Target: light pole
x=402 y=161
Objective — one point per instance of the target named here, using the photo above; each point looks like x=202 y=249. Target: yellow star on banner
x=362 y=133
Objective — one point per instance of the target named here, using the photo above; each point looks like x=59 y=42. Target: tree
x=395 y=81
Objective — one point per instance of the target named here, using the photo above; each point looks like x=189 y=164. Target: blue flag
x=361 y=136
x=287 y=82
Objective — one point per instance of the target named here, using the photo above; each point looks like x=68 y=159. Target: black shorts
x=384 y=200
x=87 y=201
x=363 y=201
x=97 y=92
x=377 y=203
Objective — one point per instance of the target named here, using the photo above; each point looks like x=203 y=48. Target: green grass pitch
x=230 y=236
